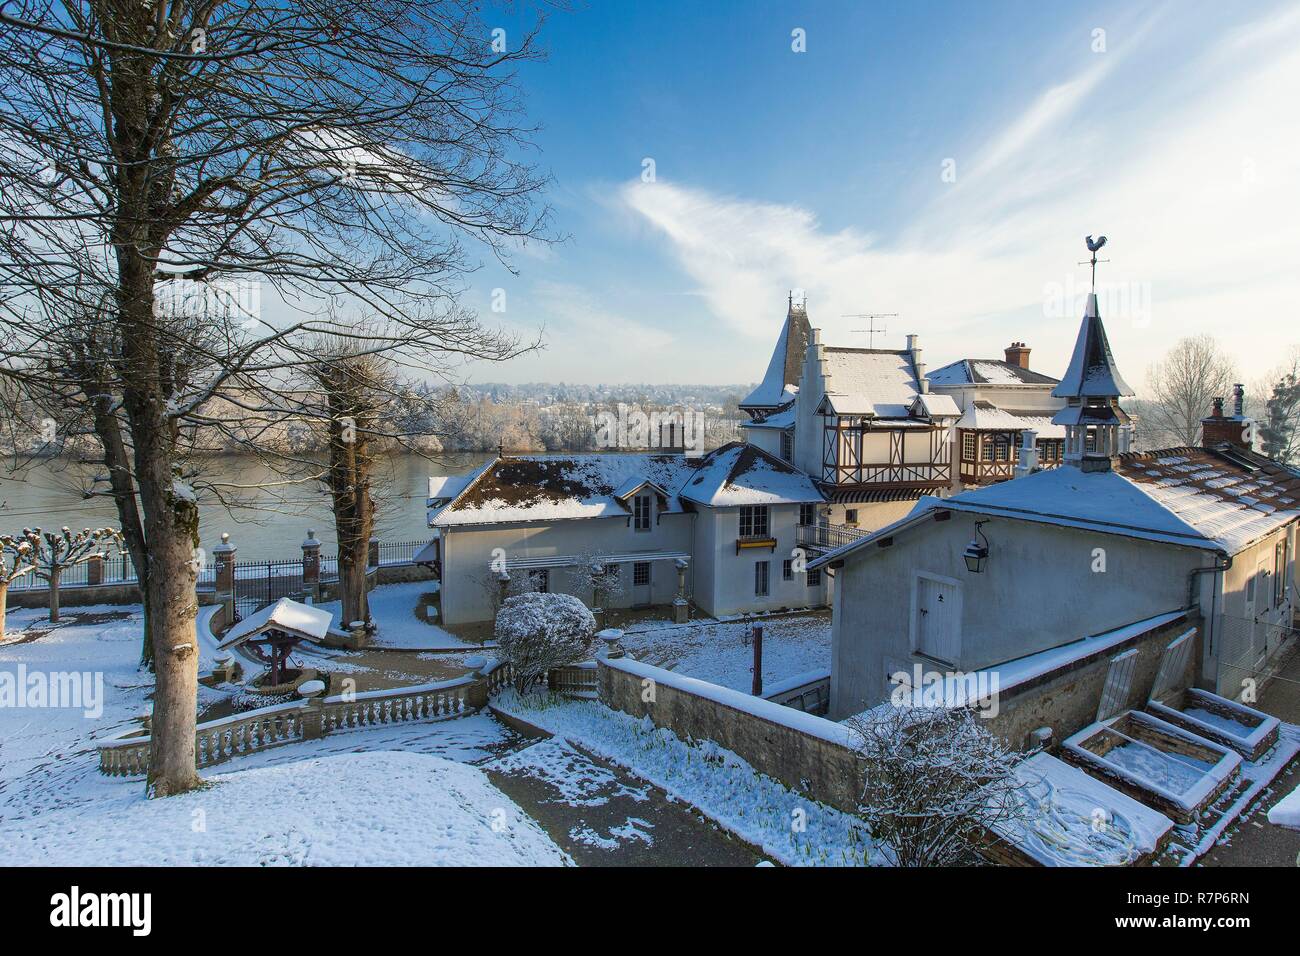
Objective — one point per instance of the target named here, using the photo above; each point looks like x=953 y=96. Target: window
x=641 y=513
x=540 y=581
x=815 y=577
x=986 y=448
x=807 y=515
x=787 y=570
x=641 y=573
x=968 y=446
x=787 y=446
x=851 y=516
x=760 y=579
x=1002 y=447
x=753 y=521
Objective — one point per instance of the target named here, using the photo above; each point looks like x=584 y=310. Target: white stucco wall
x=724 y=580
x=467 y=551
x=1038 y=590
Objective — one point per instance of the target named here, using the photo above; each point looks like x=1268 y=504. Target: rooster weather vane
x=1094 y=246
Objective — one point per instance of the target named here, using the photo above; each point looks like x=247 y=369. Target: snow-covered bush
x=934 y=782
x=536 y=632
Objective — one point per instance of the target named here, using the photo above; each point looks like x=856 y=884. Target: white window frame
x=787 y=446
x=642 y=513
x=914 y=618
x=767 y=578
x=754 y=512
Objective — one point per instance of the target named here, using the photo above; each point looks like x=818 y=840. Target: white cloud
x=1197 y=183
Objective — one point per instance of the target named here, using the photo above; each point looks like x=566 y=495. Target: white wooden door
x=938 y=627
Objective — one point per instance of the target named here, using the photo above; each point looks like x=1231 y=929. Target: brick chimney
x=1018 y=354
x=1217 y=428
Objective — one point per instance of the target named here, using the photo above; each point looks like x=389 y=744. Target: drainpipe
x=1215 y=568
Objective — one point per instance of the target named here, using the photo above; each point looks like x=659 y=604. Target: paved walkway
x=1254 y=841
x=602 y=815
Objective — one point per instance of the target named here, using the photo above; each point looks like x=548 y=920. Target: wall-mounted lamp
x=977 y=552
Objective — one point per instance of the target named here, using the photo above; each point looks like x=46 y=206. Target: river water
x=269 y=519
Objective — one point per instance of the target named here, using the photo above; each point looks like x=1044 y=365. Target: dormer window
x=641 y=513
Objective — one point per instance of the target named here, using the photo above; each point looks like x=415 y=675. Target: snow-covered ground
x=723 y=653
x=396 y=609
x=348 y=809
x=717 y=782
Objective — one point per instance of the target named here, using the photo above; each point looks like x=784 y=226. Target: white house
x=995 y=575
x=662 y=529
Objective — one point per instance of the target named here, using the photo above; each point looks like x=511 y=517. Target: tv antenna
x=871 y=329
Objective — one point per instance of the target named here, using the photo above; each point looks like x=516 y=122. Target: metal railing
x=827 y=536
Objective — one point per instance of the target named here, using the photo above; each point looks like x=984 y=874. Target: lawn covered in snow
x=723 y=653
x=390 y=808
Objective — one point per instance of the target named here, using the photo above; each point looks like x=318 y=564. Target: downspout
x=1215 y=568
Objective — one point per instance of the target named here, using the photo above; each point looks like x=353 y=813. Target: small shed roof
x=292 y=617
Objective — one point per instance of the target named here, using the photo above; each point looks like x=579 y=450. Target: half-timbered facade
x=1000 y=399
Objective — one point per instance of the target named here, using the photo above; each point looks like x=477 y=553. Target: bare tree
x=1181 y=387
x=326 y=147
x=934 y=782
x=57 y=551
x=17 y=558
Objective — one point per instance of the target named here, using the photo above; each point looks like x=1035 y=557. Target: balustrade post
x=95 y=570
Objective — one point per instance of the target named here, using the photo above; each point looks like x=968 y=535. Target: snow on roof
x=983 y=415
x=971 y=371
x=742 y=474
x=869 y=382
x=782 y=418
x=448 y=486
x=1184 y=496
x=937 y=406
x=555 y=487
x=285 y=614
x=783 y=369
x=1092 y=372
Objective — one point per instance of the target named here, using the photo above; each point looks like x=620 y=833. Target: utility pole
x=757 y=686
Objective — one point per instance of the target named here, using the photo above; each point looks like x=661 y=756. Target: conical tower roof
x=1092 y=372
x=786 y=365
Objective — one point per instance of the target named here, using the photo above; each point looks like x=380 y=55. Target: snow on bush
x=934 y=782
x=536 y=632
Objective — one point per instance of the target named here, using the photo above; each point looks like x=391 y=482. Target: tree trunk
x=171 y=528
x=4 y=606
x=55 y=575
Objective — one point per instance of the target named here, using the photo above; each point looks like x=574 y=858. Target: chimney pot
x=1238 y=399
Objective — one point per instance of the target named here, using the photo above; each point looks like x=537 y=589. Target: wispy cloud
x=1199 y=194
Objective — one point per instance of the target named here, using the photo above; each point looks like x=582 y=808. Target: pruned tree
x=538 y=631
x=343 y=148
x=1181 y=388
x=935 y=782
x=57 y=551
x=17 y=558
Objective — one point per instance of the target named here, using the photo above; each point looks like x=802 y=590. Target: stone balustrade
x=215 y=741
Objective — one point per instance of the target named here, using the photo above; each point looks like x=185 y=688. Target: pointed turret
x=1092 y=371
x=782 y=377
x=1096 y=428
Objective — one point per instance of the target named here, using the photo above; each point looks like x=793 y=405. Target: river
x=270 y=519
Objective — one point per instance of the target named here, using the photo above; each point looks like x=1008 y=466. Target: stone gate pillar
x=311 y=566
x=681 y=607
x=223 y=558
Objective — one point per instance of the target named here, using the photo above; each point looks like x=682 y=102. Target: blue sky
x=1174 y=133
